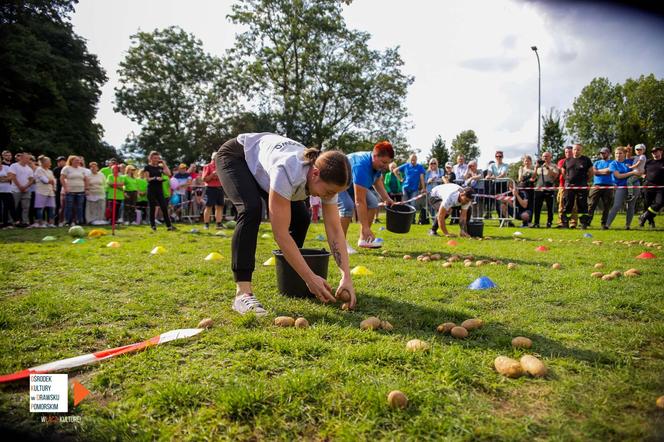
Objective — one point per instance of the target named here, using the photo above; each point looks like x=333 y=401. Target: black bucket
x=399 y=217
x=289 y=282
x=476 y=228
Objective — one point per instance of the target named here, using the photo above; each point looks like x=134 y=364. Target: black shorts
x=215 y=196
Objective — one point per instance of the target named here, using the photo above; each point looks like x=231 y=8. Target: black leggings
x=247 y=197
x=156 y=198
x=580 y=197
x=541 y=197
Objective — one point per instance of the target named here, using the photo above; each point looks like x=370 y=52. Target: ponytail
x=311 y=154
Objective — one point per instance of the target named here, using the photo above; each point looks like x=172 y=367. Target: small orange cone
x=80 y=392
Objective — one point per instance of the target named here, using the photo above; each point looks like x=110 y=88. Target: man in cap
x=603 y=187
x=654 y=197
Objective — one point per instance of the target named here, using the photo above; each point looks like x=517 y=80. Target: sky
x=471 y=59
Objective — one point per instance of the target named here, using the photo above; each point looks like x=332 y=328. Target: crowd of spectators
x=33 y=194
x=575 y=186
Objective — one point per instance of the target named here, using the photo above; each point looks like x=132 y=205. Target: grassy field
x=245 y=379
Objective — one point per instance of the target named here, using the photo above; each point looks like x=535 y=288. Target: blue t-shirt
x=603 y=180
x=363 y=172
x=620 y=168
x=412 y=176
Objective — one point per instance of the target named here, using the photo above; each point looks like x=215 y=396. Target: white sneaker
x=51 y=225
x=350 y=250
x=34 y=226
x=120 y=221
x=247 y=302
x=375 y=244
x=134 y=223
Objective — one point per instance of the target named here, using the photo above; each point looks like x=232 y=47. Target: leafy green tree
x=642 y=116
x=595 y=114
x=177 y=93
x=553 y=137
x=318 y=80
x=49 y=82
x=465 y=143
x=439 y=152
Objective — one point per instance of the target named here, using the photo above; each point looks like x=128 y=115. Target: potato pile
x=631 y=273
x=512 y=368
x=287 y=321
x=374 y=323
x=460 y=332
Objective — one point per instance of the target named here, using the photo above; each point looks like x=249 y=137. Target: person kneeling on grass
x=507 y=206
x=257 y=166
x=443 y=198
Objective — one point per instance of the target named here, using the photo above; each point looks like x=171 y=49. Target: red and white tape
x=78 y=361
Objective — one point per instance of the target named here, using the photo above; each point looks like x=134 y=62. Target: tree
x=439 y=152
x=642 y=116
x=466 y=144
x=593 y=119
x=318 y=79
x=177 y=93
x=49 y=82
x=553 y=138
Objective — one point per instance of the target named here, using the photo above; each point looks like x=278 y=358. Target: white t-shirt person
x=22 y=174
x=449 y=195
x=278 y=163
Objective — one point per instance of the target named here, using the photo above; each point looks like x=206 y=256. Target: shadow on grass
x=411 y=320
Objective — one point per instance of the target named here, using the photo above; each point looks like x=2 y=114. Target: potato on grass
x=343 y=296
x=472 y=324
x=660 y=402
x=301 y=323
x=459 y=332
x=447 y=264
x=597 y=274
x=616 y=273
x=206 y=323
x=371 y=323
x=508 y=367
x=345 y=306
x=556 y=266
x=407 y=257
x=284 y=321
x=417 y=345
x=599 y=265
x=385 y=325
x=396 y=399
x=445 y=327
x=511 y=266
x=533 y=366
x=521 y=342
x=608 y=277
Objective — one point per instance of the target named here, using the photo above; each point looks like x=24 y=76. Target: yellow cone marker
x=113 y=245
x=158 y=250
x=270 y=262
x=96 y=233
x=214 y=256
x=361 y=271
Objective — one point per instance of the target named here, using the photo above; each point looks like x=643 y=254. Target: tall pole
x=539 y=99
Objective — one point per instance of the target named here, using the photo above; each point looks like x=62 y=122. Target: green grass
x=245 y=379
